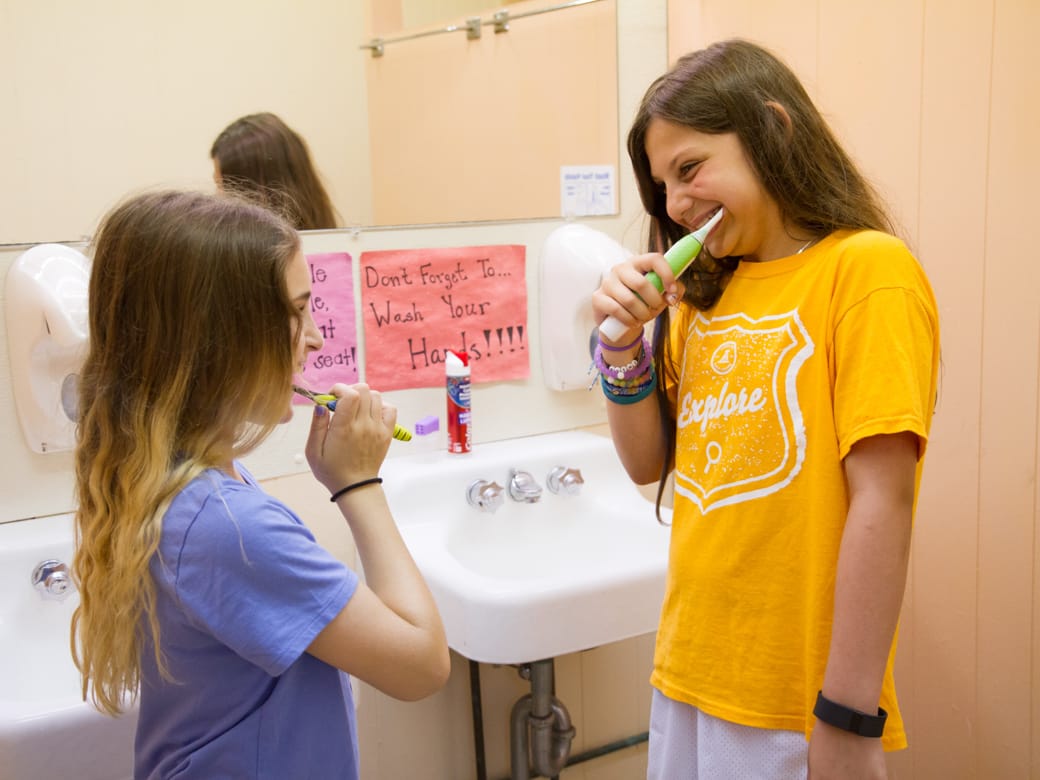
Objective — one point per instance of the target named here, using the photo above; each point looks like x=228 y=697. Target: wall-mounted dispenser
x=46 y=310
x=574 y=259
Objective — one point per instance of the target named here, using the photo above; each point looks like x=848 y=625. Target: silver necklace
x=805 y=246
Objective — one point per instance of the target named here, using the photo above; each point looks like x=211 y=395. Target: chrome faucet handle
x=53 y=580
x=564 y=480
x=485 y=496
x=522 y=487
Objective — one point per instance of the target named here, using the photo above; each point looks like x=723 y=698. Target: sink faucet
x=485 y=496
x=522 y=487
x=53 y=580
x=564 y=480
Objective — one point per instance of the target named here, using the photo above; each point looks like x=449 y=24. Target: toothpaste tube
x=457 y=371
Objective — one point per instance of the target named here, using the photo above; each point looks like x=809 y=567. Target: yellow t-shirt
x=799 y=359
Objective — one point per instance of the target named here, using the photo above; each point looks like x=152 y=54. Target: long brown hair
x=263 y=157
x=727 y=88
x=190 y=326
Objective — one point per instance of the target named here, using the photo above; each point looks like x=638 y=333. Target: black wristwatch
x=846 y=718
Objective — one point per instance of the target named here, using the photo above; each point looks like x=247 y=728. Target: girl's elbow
x=642 y=468
x=641 y=475
x=642 y=480
x=440 y=670
x=429 y=679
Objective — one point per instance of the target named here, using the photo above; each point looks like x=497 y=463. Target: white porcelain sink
x=46 y=730
x=532 y=580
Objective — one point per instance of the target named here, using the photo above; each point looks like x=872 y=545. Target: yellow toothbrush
x=329 y=401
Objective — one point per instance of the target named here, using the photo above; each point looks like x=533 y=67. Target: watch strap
x=848 y=719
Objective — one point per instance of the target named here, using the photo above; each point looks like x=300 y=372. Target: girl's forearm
x=872 y=568
x=868 y=595
x=638 y=438
x=389 y=569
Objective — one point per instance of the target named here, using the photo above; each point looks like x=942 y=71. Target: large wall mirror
x=107 y=98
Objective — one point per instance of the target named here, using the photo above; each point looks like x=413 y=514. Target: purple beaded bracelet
x=636 y=367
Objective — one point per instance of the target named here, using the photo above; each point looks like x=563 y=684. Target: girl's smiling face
x=699 y=172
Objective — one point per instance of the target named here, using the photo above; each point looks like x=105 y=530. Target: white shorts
x=687 y=744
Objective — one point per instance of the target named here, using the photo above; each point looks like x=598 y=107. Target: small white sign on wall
x=587 y=190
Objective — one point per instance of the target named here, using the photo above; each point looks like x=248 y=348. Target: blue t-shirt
x=243 y=589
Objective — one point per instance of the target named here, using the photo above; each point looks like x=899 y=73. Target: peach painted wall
x=104 y=98
x=940 y=104
x=503 y=117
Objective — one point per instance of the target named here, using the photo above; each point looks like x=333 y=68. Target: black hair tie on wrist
x=355 y=486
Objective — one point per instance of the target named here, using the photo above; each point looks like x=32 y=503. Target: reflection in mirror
x=110 y=98
x=493 y=141
x=104 y=99
x=260 y=156
x=390 y=18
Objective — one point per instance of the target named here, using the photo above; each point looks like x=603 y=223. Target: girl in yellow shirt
x=789 y=391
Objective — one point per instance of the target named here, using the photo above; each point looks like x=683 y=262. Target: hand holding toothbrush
x=626 y=300
x=645 y=284
x=329 y=401
x=349 y=446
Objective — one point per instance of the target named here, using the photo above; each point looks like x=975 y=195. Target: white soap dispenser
x=46 y=312
x=574 y=259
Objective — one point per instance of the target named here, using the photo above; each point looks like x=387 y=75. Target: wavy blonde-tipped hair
x=190 y=361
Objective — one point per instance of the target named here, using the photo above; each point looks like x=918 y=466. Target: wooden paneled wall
x=940 y=104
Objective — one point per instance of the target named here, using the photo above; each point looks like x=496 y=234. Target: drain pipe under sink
x=540 y=727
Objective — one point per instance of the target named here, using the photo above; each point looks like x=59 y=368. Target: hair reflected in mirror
x=260 y=157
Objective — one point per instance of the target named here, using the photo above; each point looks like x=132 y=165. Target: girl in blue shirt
x=201 y=594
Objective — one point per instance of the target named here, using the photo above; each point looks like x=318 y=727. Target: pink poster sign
x=417 y=304
x=332 y=306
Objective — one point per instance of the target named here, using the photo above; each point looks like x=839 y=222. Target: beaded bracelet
x=627 y=384
x=610 y=348
x=644 y=392
x=635 y=367
x=634 y=386
x=631 y=388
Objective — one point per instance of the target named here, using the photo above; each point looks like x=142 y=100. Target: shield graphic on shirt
x=741 y=434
